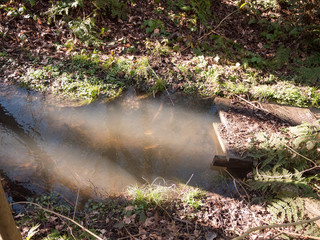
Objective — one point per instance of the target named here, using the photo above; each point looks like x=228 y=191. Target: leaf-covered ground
x=265 y=50
x=73 y=48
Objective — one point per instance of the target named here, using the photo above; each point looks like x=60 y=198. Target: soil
x=243 y=120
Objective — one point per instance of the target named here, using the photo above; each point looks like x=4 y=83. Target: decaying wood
x=8 y=229
x=240 y=120
x=238 y=163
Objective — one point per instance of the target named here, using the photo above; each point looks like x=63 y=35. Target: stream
x=105 y=147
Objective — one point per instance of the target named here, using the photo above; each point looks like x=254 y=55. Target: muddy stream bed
x=105 y=147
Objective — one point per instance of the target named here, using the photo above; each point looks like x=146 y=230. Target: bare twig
x=308 y=159
x=130 y=235
x=299 y=235
x=287 y=175
x=239 y=182
x=219 y=24
x=275 y=226
x=188 y=181
x=76 y=204
x=162 y=84
x=60 y=215
x=259 y=108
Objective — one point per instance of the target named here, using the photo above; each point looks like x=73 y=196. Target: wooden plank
x=230 y=158
x=220 y=143
x=293 y=115
x=232 y=162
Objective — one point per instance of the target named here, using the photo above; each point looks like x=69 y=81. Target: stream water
x=104 y=147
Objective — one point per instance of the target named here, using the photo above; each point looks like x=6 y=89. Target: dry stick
x=214 y=30
x=238 y=183
x=60 y=215
x=188 y=181
x=287 y=175
x=75 y=207
x=259 y=108
x=206 y=35
x=136 y=235
x=275 y=226
x=130 y=235
x=315 y=164
x=163 y=84
x=299 y=235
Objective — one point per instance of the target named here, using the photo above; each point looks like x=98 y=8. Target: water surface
x=104 y=147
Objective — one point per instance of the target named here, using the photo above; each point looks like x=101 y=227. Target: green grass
x=150 y=194
x=157 y=195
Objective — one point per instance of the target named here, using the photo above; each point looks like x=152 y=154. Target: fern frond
x=282 y=57
x=289 y=209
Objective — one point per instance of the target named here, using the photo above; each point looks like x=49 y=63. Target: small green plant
x=154 y=26
x=85 y=30
x=282 y=57
x=117 y=8
x=192 y=196
x=201 y=8
x=158 y=86
x=149 y=195
x=33 y=231
x=282 y=177
x=252 y=59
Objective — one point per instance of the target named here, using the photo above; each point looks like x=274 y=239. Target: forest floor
x=82 y=54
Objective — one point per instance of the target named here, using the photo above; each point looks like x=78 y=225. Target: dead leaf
x=129 y=208
x=127 y=220
x=211 y=235
x=149 y=222
x=119 y=225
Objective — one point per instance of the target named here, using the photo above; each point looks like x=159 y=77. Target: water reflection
x=104 y=146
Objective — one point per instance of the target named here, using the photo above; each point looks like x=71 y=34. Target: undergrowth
x=178 y=48
x=288 y=171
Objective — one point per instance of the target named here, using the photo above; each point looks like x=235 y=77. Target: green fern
x=116 y=7
x=312 y=61
x=282 y=57
x=287 y=209
x=202 y=9
x=309 y=74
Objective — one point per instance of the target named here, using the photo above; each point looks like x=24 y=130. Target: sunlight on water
x=105 y=147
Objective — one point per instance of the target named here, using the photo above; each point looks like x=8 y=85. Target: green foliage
x=309 y=72
x=192 y=197
x=85 y=30
x=289 y=209
x=32 y=2
x=149 y=195
x=282 y=177
x=116 y=7
x=153 y=25
x=32 y=232
x=277 y=155
x=282 y=57
x=201 y=8
x=274 y=31
x=158 y=194
x=253 y=59
x=158 y=86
